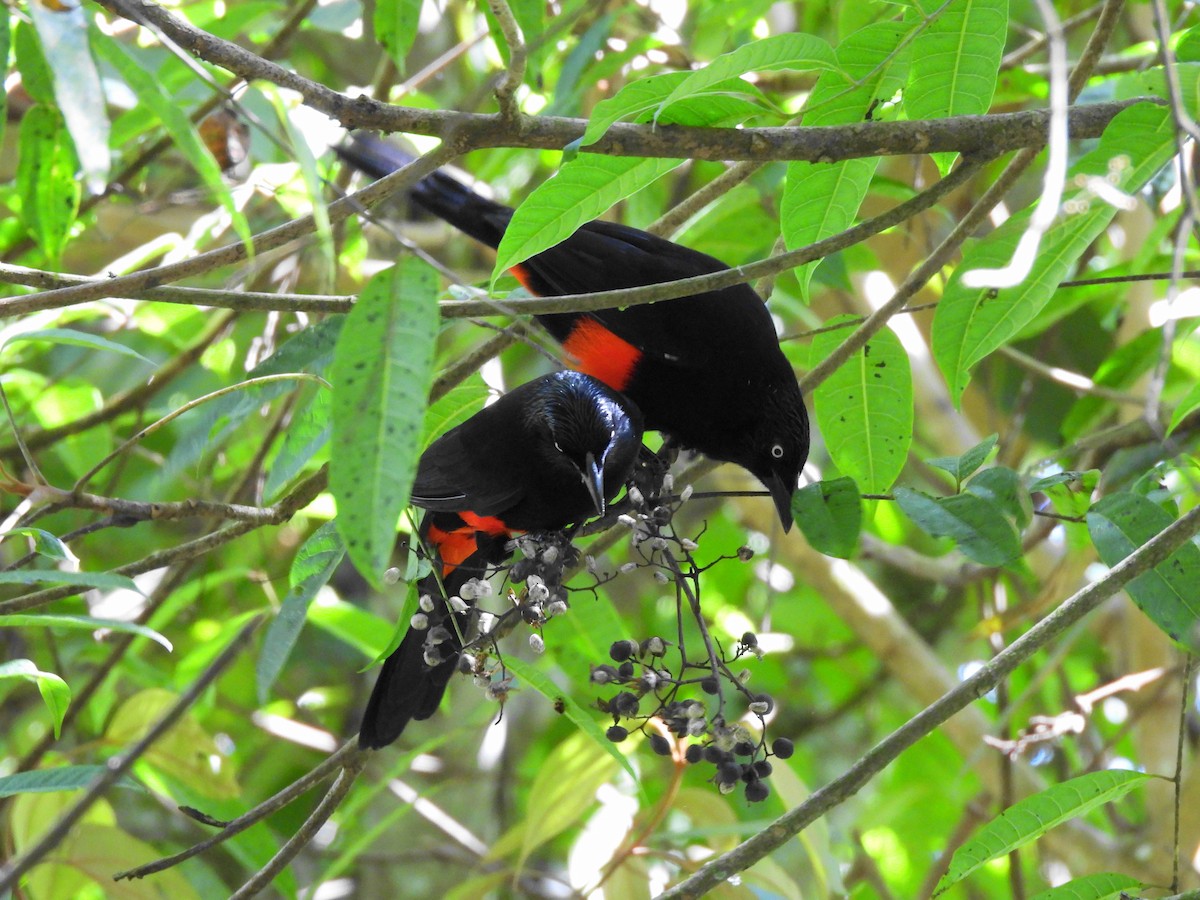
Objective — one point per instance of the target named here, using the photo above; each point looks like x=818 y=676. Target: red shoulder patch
x=594 y=350
x=455 y=546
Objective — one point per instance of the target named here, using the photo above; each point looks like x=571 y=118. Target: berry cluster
x=732 y=749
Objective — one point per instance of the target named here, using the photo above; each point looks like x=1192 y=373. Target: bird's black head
x=778 y=447
x=591 y=429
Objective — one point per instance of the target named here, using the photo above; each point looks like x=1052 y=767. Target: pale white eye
x=777 y=451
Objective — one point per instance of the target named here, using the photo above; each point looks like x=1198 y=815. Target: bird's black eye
x=777 y=451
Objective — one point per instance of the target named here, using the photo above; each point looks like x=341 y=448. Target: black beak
x=593 y=480
x=781 y=493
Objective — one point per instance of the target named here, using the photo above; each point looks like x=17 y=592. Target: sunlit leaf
x=55 y=692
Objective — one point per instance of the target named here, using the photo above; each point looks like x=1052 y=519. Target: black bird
x=546 y=455
x=705 y=370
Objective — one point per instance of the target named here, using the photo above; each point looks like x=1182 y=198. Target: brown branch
x=964 y=134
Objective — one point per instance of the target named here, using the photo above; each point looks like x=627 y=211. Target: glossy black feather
x=712 y=374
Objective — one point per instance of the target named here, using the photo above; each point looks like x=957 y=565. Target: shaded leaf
x=1002 y=487
x=78 y=339
x=396 y=27
x=55 y=692
x=44 y=543
x=961 y=467
x=830 y=515
x=63 y=778
x=83 y=580
x=1122 y=522
x=974 y=524
x=86 y=623
x=1102 y=886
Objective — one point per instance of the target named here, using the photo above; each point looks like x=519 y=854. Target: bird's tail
x=439 y=193
x=413 y=679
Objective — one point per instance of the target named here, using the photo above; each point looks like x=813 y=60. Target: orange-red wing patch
x=455 y=546
x=521 y=273
x=596 y=351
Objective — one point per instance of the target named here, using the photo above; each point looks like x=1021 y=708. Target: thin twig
x=514 y=73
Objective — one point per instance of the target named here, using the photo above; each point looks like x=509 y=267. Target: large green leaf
x=1101 y=886
x=970 y=323
x=46 y=180
x=956 y=60
x=396 y=27
x=1032 y=817
x=381 y=372
x=1122 y=522
x=63 y=778
x=865 y=408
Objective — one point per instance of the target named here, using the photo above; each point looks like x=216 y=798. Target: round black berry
x=757 y=791
x=616 y=734
x=710 y=685
x=660 y=745
x=621 y=650
x=783 y=748
x=694 y=753
x=743 y=748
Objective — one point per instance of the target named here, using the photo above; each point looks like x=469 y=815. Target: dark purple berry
x=710 y=685
x=660 y=745
x=625 y=670
x=743 y=748
x=713 y=755
x=762 y=768
x=621 y=650
x=757 y=791
x=616 y=734
x=694 y=753
x=783 y=748
x=750 y=639
x=729 y=773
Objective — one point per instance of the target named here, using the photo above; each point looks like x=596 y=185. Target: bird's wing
x=455 y=475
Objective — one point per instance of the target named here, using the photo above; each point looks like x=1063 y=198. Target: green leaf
x=44 y=543
x=562 y=792
x=46 y=180
x=78 y=339
x=1101 y=886
x=961 y=467
x=822 y=199
x=583 y=719
x=103 y=580
x=395 y=26
x=1002 y=487
x=1186 y=406
x=55 y=692
x=172 y=115
x=85 y=623
x=5 y=45
x=1122 y=522
x=635 y=98
x=459 y=404
x=311 y=569
x=78 y=92
x=381 y=372
x=830 y=515
x=1032 y=817
x=801 y=52
x=955 y=62
x=307 y=433
x=583 y=188
x=63 y=778
x=981 y=532
x=865 y=408
x=970 y=322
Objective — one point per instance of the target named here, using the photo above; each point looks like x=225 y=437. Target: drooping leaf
x=77 y=339
x=55 y=692
x=82 y=580
x=85 y=623
x=865 y=408
x=830 y=515
x=1002 y=487
x=44 y=543
x=381 y=372
x=1101 y=886
x=1029 y=819
x=312 y=567
x=1122 y=522
x=46 y=181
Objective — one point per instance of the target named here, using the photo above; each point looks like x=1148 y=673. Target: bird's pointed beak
x=781 y=493
x=593 y=480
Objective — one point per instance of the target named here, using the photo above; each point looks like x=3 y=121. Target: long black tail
x=409 y=687
x=440 y=194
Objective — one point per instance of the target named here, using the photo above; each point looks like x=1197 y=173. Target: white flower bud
x=689 y=545
x=425 y=603
x=487 y=622
x=419 y=621
x=536 y=643
x=686 y=494
x=458 y=604
x=391 y=575
x=628 y=567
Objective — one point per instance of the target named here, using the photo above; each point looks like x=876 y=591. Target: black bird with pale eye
x=706 y=370
x=548 y=454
